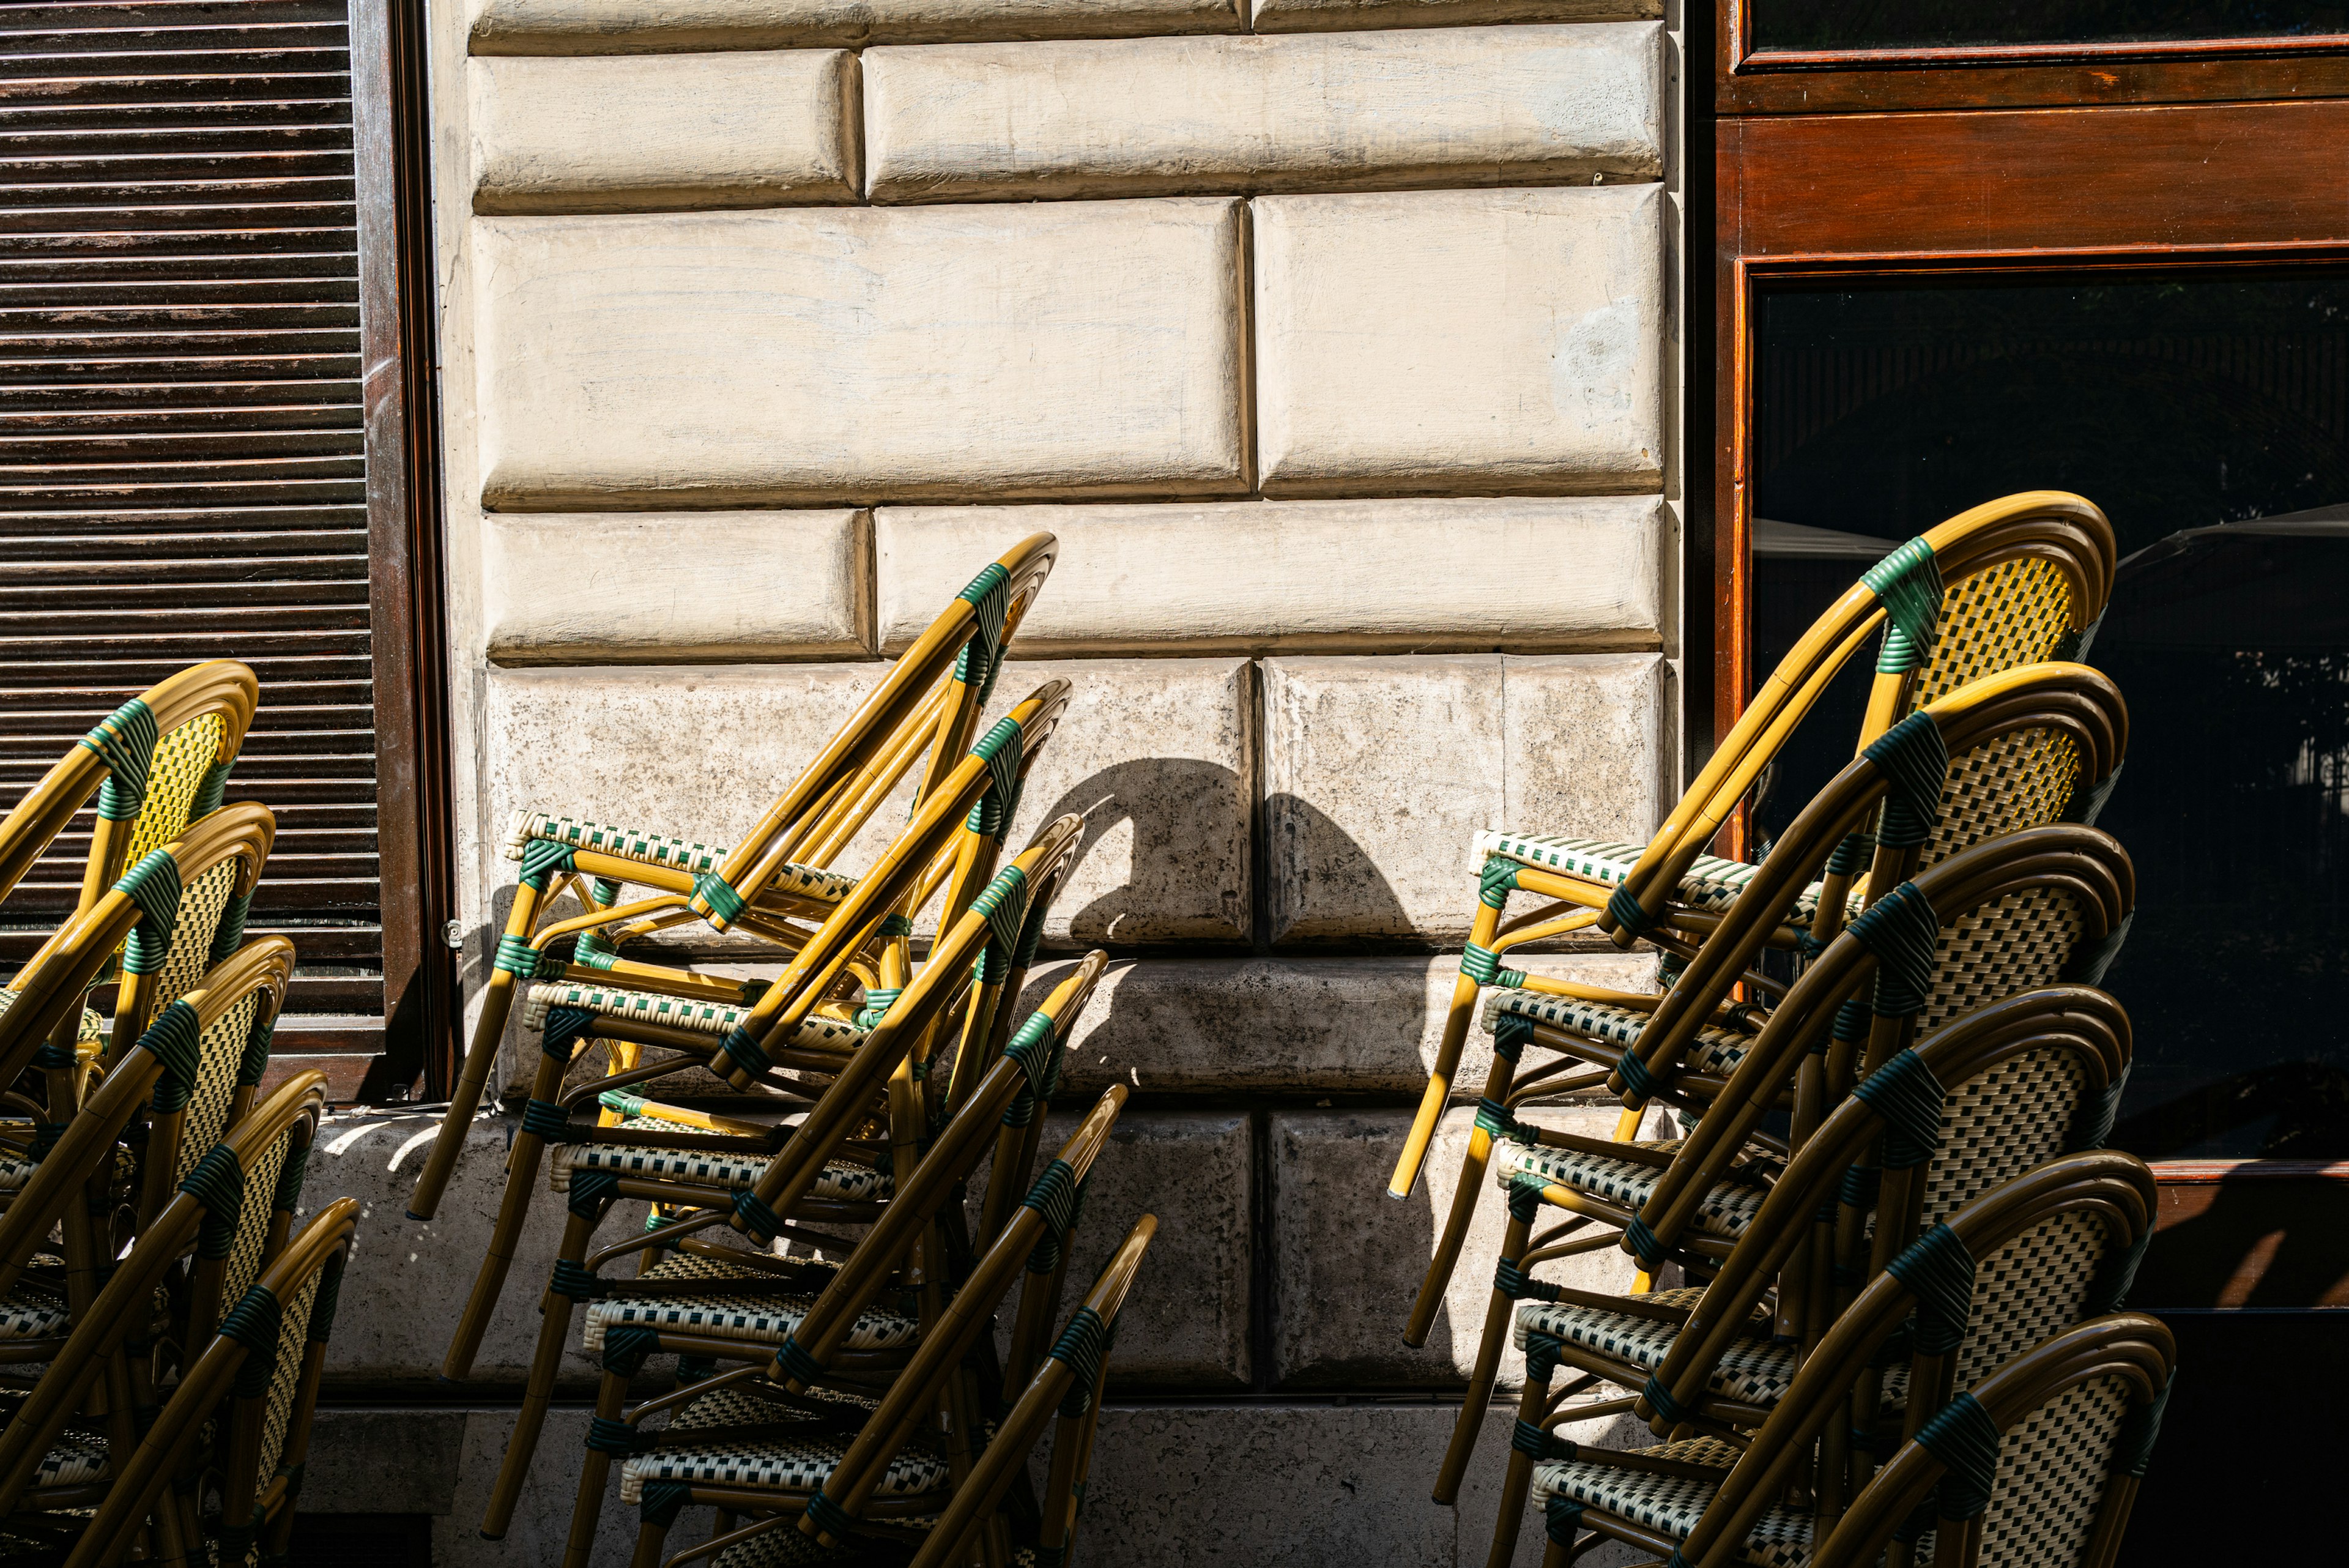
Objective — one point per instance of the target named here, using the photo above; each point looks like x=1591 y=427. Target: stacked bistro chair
x=838 y=1166
x=2004 y=913
x=2009 y=584
x=777 y=887
x=795 y=1035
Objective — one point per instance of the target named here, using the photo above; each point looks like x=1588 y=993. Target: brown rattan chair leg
x=650 y=1538
x=497 y=1000
x=595 y=1476
x=1465 y=1196
x=1519 y=1484
x=1514 y=1242
x=513 y=1210
x=553 y=1327
x=1447 y=1061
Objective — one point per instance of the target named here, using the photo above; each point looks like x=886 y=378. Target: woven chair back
x=2015 y=581
x=156 y=763
x=2053 y=1248
x=263 y=1356
x=207 y=1216
x=2024 y=910
x=2036 y=1467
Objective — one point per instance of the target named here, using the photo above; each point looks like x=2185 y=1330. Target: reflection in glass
x=1939 y=23
x=2202 y=413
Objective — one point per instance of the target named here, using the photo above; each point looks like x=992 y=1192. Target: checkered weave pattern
x=1710 y=883
x=2001 y=950
x=220 y=1051
x=741 y=1302
x=1716 y=1050
x=674 y=1012
x=2014 y=614
x=1753 y=1371
x=2033 y=1286
x=174 y=772
x=202 y=903
x=248 y=1255
x=1999 y=1124
x=75 y=1458
x=285 y=1383
x=733 y=1456
x=31 y=1311
x=2054 y=1466
x=707 y=1168
x=1728 y=1208
x=809 y=882
x=2017 y=781
x=1670 y=1505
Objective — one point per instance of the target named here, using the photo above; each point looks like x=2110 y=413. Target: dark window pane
x=1940 y=23
x=2195 y=411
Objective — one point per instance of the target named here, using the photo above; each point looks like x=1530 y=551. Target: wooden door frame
x=414 y=840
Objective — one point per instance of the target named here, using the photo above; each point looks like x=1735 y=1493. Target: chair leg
x=1465 y=1431
x=497 y=1000
x=1519 y=1485
x=553 y=1326
x=595 y=1478
x=650 y=1537
x=1465 y=1198
x=1447 y=1061
x=513 y=1209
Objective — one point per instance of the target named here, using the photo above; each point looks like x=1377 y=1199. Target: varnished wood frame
x=1747 y=79
x=415 y=859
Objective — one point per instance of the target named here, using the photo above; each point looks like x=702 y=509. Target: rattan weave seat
x=1710 y=883
x=841 y=1181
x=75 y=1458
x=752 y=1314
x=32 y=1311
x=810 y=883
x=816 y=1032
x=1716 y=1050
x=1728 y=1208
x=740 y=1452
x=1671 y=1504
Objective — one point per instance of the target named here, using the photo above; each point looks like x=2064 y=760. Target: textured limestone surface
x=1484 y=342
x=676 y=587
x=840 y=354
x=1319 y=16
x=1379 y=772
x=1333 y=1025
x=1347 y=1260
x=625 y=26
x=1298 y=575
x=1485 y=106
x=732 y=130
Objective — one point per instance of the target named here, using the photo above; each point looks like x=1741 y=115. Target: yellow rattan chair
x=242 y=1413
x=780 y=882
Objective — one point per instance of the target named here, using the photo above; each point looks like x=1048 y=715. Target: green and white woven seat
x=710 y=1018
x=810 y=882
x=1711 y=883
x=1753 y=1371
x=843 y=1181
x=1716 y=1050
x=735 y=1454
x=31 y=1312
x=75 y=1458
x=743 y=1303
x=1727 y=1212
x=1671 y=1505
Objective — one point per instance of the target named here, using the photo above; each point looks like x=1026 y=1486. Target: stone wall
x=1336 y=340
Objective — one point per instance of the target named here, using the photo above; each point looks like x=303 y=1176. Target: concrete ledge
x=674 y=587
x=1423 y=576
x=627 y=26
x=1162 y=117
x=735 y=130
x=1332 y=15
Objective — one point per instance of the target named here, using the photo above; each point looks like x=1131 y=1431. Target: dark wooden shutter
x=183 y=464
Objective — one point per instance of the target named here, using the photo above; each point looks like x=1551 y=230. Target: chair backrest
x=157 y=763
x=261 y=1160
x=1070 y=1382
x=2003 y=1089
x=266 y=1357
x=1924 y=772
x=2006 y=916
x=2014 y=581
x=835 y=794
x=2052 y=1248
x=2039 y=1463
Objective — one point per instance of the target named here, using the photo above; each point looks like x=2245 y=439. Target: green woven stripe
x=1906 y=1094
x=1907 y=583
x=154 y=885
x=1902 y=930
x=2141 y=1430
x=254 y=1062
x=1496 y=882
x=517 y=957
x=218 y=1183
x=541 y=859
x=1036 y=1048
x=174 y=1040
x=254 y=1323
x=329 y=1297
x=724 y=899
x=2091 y=959
x=210 y=790
x=1003 y=903
x=1083 y=1345
x=125 y=741
x=989 y=594
x=1914 y=760
x=229 y=934
x=1938 y=1269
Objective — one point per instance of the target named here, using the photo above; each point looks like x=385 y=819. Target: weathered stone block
x=843 y=354
x=741 y=128
x=1347 y=1260
x=1340 y=1025
x=676 y=587
x=1491 y=342
x=1319 y=16
x=1298 y=575
x=623 y=26
x=1379 y=772
x=1184 y=1326
x=1515 y=106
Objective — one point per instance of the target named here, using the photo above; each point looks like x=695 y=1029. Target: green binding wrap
x=154 y=885
x=719 y=897
x=174 y=1040
x=1965 y=1440
x=254 y=1062
x=1907 y=583
x=1083 y=1346
x=210 y=790
x=1496 y=882
x=2091 y=959
x=329 y=1297
x=254 y=1323
x=229 y=934
x=516 y=956
x=125 y=741
x=1906 y=1094
x=1003 y=904
x=1901 y=930
x=1003 y=752
x=541 y=859
x=218 y=1183
x=1938 y=1269
x=290 y=1177
x=1035 y=1049
x=1482 y=965
x=2141 y=1430
x=1914 y=760
x=989 y=595
x=877 y=1004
